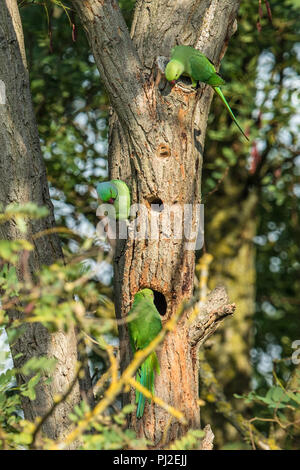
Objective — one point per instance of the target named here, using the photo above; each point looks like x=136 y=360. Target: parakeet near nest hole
x=186 y=60
x=117 y=193
x=143 y=328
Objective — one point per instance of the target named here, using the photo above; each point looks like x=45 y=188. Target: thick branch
x=215 y=309
x=159 y=25
x=208 y=440
x=116 y=57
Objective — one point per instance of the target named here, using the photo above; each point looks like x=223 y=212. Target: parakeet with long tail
x=186 y=60
x=115 y=192
x=143 y=328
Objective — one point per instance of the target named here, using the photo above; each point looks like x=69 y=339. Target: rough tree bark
x=23 y=179
x=157 y=134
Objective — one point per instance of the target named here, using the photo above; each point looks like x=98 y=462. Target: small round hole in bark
x=163 y=150
x=160 y=302
x=156 y=204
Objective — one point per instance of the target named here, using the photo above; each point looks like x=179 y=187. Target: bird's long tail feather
x=220 y=93
x=146 y=377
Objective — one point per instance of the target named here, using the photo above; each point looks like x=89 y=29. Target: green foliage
x=49 y=299
x=20 y=213
x=61 y=295
x=9 y=251
x=278 y=409
x=8 y=276
x=107 y=432
x=276 y=398
x=191 y=440
x=15 y=431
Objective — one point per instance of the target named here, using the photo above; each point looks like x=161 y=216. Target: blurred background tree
x=251 y=201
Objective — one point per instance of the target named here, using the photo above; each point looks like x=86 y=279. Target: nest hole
x=163 y=150
x=160 y=302
x=156 y=204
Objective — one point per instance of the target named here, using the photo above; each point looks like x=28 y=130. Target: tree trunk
x=157 y=134
x=23 y=179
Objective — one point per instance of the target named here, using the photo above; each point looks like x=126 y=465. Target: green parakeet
x=188 y=61
x=115 y=192
x=143 y=328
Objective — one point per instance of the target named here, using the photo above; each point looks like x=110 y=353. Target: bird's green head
x=144 y=293
x=107 y=192
x=173 y=70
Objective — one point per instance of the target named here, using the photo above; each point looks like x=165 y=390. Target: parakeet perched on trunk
x=115 y=192
x=188 y=61
x=143 y=328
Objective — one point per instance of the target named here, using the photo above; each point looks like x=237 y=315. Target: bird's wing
x=201 y=68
